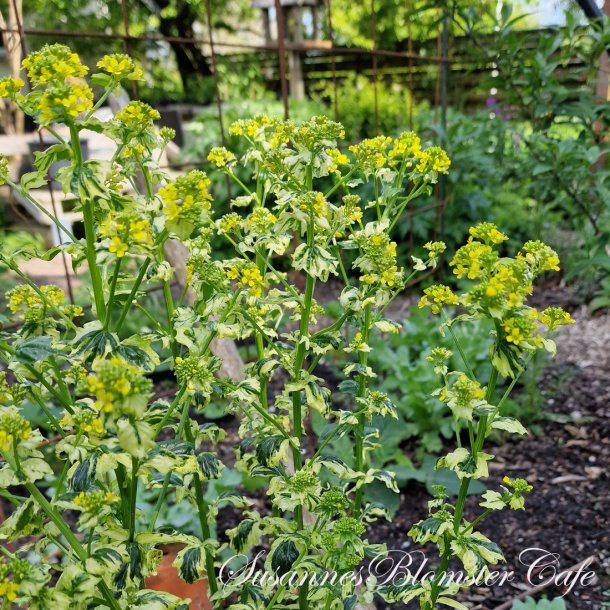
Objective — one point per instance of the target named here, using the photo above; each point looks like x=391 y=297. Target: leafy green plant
x=116 y=443
x=551 y=85
x=355 y=98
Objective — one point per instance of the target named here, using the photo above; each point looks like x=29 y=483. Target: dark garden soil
x=568 y=511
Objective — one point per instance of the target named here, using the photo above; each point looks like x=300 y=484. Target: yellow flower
x=472 y=259
x=337 y=159
x=118 y=247
x=220 y=156
x=436 y=296
x=136 y=116
x=229 y=223
x=13 y=428
x=55 y=62
x=370 y=153
x=554 y=317
x=407 y=145
x=120 y=66
x=488 y=232
x=10 y=87
x=140 y=230
x=8 y=590
x=434 y=159
x=65 y=101
x=186 y=198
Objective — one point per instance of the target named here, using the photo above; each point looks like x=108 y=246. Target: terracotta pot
x=169 y=581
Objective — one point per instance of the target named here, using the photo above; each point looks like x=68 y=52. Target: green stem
x=458 y=345
x=203 y=512
x=62 y=401
x=71 y=539
x=48 y=413
x=60 y=226
x=132 y=294
x=359 y=440
x=115 y=277
x=90 y=236
x=133 y=498
x=341 y=182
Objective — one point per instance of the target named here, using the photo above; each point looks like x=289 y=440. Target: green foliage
x=551 y=85
x=409 y=380
x=356 y=105
x=542 y=604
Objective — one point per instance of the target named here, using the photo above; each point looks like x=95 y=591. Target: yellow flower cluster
x=260 y=221
x=378 y=259
x=120 y=66
x=337 y=159
x=488 y=233
x=313 y=203
x=472 y=259
x=65 y=102
x=370 y=154
x=462 y=397
x=248 y=275
x=85 y=421
x=554 y=317
x=249 y=127
x=122 y=230
x=436 y=297
x=229 y=223
x=94 y=501
x=194 y=372
x=433 y=159
x=116 y=382
x=8 y=588
x=187 y=198
x=53 y=64
x=10 y=87
x=13 y=428
x=220 y=156
x=351 y=208
x=136 y=116
x=318 y=132
x=522 y=330
x=406 y=146
x=35 y=307
x=539 y=257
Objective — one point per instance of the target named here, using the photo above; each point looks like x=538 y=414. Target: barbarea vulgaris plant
x=118 y=444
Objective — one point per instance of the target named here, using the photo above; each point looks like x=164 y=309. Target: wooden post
x=602 y=87
x=12 y=119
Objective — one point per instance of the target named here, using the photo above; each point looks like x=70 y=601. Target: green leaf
x=34 y=350
x=284 y=556
x=447 y=601
x=267 y=448
x=209 y=465
x=32 y=180
x=100 y=79
x=190 y=563
x=84 y=474
x=510 y=424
